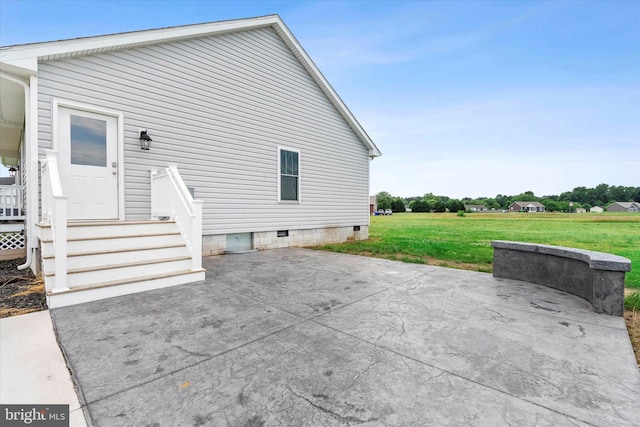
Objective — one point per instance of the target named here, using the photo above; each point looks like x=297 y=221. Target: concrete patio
x=302 y=337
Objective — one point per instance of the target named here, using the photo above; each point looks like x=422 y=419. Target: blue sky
x=464 y=98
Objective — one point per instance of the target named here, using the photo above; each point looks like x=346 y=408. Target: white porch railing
x=171 y=199
x=11 y=206
x=54 y=213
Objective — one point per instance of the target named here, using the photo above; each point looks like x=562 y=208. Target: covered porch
x=14 y=92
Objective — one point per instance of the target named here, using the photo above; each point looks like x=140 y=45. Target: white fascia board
x=70 y=47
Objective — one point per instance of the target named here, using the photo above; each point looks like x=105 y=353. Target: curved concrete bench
x=595 y=276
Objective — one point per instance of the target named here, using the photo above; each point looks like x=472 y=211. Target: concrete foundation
x=216 y=244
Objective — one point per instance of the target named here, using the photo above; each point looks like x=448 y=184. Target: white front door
x=88 y=149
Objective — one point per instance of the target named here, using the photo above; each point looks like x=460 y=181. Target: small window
x=283 y=233
x=289 y=175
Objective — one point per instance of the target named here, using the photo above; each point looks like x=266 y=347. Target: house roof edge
x=17 y=55
x=78 y=44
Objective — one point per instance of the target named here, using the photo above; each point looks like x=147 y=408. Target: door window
x=88 y=141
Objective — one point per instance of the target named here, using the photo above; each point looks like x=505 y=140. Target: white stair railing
x=54 y=213
x=11 y=206
x=171 y=199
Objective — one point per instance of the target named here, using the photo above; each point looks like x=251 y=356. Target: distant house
x=581 y=210
x=475 y=208
x=373 y=204
x=624 y=207
x=596 y=209
x=526 y=206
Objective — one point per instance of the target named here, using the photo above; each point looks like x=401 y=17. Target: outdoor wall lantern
x=13 y=170
x=145 y=140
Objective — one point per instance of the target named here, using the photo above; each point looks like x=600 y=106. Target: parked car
x=388 y=212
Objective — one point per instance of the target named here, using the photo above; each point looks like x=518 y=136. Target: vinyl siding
x=219 y=107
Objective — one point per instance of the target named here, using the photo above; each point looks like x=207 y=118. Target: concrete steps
x=106 y=259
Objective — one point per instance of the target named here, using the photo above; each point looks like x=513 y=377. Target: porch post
x=60 y=243
x=59 y=223
x=196 y=234
x=153 y=172
x=31 y=175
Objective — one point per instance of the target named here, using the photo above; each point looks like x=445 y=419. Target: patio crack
x=393 y=327
x=401 y=322
x=357 y=377
x=189 y=352
x=497 y=313
x=333 y=414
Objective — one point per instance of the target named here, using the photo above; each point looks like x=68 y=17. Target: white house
x=596 y=209
x=475 y=208
x=155 y=147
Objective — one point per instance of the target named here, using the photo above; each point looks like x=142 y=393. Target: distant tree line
x=581 y=197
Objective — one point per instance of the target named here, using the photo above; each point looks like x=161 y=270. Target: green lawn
x=465 y=242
